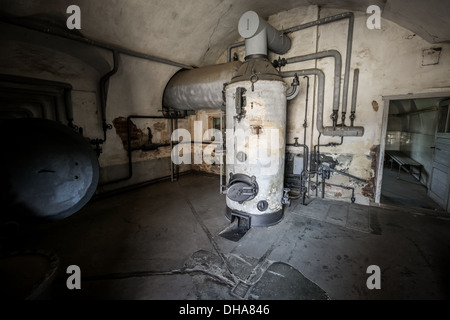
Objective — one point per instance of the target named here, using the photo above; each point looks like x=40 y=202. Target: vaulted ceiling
x=197 y=32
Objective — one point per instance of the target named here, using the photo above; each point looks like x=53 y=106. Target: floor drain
x=241 y=290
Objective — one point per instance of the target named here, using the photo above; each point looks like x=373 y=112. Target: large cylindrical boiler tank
x=255 y=143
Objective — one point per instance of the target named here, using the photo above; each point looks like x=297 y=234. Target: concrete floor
x=403 y=189
x=163 y=242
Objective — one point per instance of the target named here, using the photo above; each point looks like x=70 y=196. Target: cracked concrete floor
x=162 y=242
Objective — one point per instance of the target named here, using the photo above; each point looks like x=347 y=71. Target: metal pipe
x=340 y=186
x=61 y=32
x=103 y=92
x=132 y=187
x=346 y=15
x=171 y=148
x=305 y=172
x=292 y=92
x=321 y=21
x=305 y=121
x=129 y=151
x=326 y=20
x=328 y=131
x=177 y=168
x=329 y=144
x=354 y=95
x=342 y=16
x=260 y=36
x=221 y=155
x=318 y=145
x=305 y=153
x=337 y=73
x=320 y=92
x=346 y=174
x=305 y=125
x=235 y=45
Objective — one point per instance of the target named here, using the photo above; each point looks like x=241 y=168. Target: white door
x=439 y=189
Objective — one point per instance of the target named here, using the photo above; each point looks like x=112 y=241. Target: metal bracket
x=285 y=199
x=240 y=103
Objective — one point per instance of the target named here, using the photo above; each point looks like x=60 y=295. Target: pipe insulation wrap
x=200 y=88
x=260 y=36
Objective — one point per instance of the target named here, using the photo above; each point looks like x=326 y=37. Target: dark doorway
x=410 y=146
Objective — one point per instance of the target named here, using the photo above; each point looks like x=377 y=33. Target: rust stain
x=369 y=189
x=256 y=129
x=375 y=105
x=137 y=136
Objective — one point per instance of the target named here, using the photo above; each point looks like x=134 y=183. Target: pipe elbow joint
x=261 y=36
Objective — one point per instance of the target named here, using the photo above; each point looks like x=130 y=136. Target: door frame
x=386 y=102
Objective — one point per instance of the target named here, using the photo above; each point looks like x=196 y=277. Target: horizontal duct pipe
x=200 y=88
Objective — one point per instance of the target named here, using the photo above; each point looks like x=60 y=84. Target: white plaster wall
x=390 y=63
